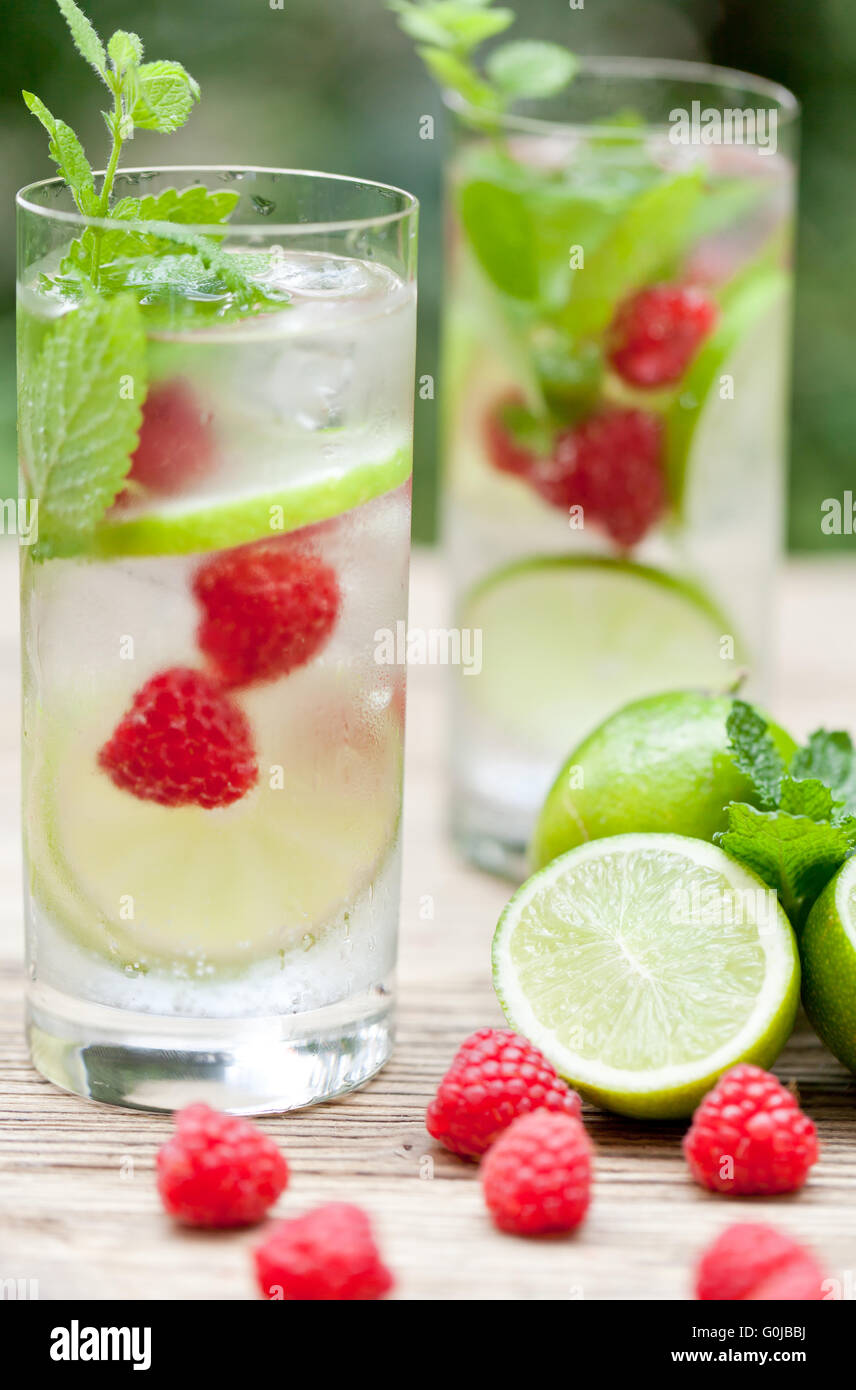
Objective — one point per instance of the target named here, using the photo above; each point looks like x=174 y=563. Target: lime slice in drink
x=644 y=966
x=567 y=640
x=730 y=401
x=828 y=953
x=659 y=764
x=148 y=885
x=179 y=527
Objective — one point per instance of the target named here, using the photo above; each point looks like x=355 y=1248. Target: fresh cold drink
x=213 y=754
x=616 y=346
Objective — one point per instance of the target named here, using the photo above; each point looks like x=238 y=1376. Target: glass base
x=243 y=1066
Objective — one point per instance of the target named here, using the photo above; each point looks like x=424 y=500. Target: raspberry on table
x=268 y=608
x=329 y=1254
x=176 y=443
x=537 y=1176
x=656 y=333
x=750 y=1137
x=183 y=742
x=218 y=1170
x=495 y=1076
x=505 y=452
x=611 y=465
x=754 y=1263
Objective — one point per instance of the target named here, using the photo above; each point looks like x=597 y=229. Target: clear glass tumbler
x=616 y=360
x=215 y=435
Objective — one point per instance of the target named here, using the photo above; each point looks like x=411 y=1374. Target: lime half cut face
x=211 y=891
x=567 y=640
x=644 y=966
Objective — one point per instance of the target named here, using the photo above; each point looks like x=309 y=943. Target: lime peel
x=235 y=521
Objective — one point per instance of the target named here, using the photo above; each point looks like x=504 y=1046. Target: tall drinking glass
x=616 y=365
x=215 y=431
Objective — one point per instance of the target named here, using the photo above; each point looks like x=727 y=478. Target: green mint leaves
x=149 y=96
x=806 y=826
x=446 y=33
x=80 y=417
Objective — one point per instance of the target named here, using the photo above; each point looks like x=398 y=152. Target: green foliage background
x=332 y=84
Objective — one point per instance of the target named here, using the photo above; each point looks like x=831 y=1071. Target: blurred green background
x=332 y=84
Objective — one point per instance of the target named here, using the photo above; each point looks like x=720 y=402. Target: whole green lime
x=828 y=953
x=659 y=765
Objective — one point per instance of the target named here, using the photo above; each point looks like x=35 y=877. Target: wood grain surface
x=78 y=1209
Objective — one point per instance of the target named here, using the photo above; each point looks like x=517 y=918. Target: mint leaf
x=125 y=51
x=188 y=206
x=165 y=96
x=446 y=24
x=67 y=153
x=650 y=233
x=451 y=71
x=500 y=229
x=831 y=758
x=792 y=853
x=86 y=41
x=529 y=68
x=81 y=412
x=753 y=750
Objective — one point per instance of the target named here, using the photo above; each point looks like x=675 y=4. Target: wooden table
x=78 y=1209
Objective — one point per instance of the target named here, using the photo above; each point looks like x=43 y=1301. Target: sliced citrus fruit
x=181 y=527
x=828 y=953
x=729 y=405
x=147 y=885
x=644 y=966
x=566 y=640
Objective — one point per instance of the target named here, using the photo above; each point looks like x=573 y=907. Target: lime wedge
x=709 y=435
x=154 y=886
x=828 y=953
x=644 y=966
x=567 y=640
x=180 y=528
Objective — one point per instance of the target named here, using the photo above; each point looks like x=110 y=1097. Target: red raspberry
x=269 y=608
x=329 y=1255
x=756 y=1263
x=655 y=334
x=495 y=1076
x=611 y=466
x=537 y=1176
x=218 y=1170
x=503 y=450
x=182 y=743
x=750 y=1137
x=176 y=445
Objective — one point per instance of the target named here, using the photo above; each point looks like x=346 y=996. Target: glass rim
x=410 y=204
x=646 y=69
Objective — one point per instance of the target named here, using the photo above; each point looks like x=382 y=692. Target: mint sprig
x=448 y=31
x=152 y=96
x=806 y=826
x=80 y=417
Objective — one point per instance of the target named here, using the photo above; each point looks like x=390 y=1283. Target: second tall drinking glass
x=216 y=425
x=616 y=359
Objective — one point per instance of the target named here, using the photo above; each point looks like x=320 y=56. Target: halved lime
x=659 y=764
x=566 y=640
x=179 y=527
x=644 y=966
x=828 y=954
x=730 y=401
x=148 y=885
